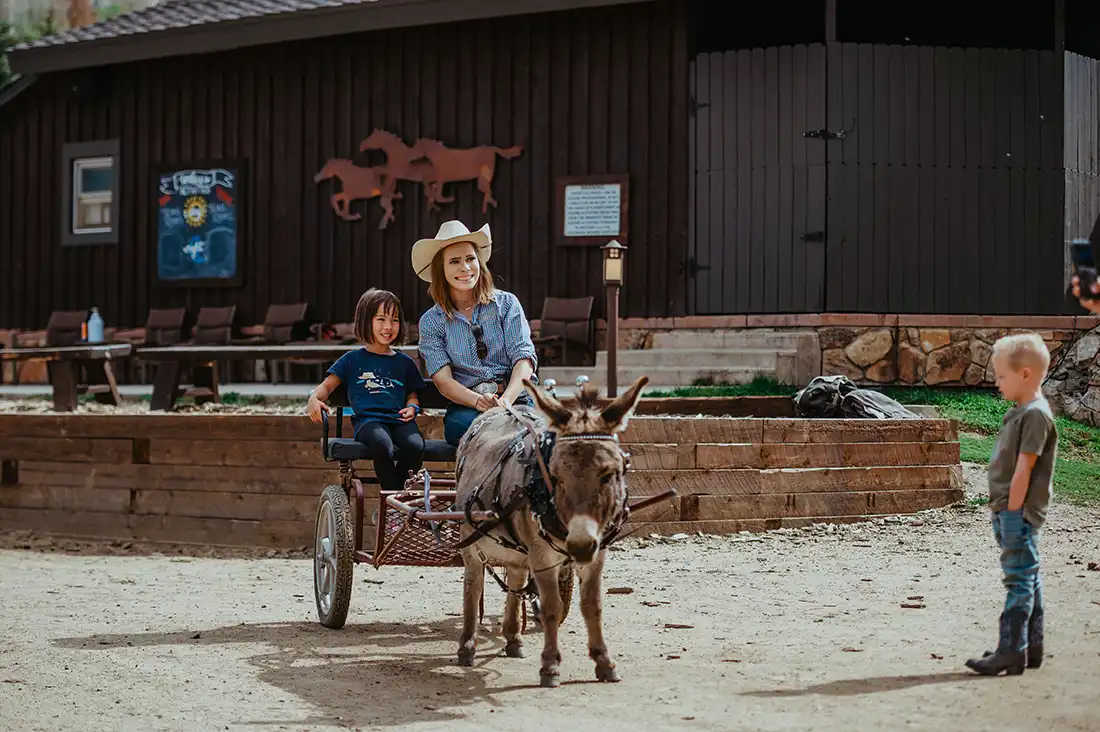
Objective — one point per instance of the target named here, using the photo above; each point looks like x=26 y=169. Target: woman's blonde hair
x=440 y=290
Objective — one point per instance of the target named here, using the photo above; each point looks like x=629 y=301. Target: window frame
x=72 y=155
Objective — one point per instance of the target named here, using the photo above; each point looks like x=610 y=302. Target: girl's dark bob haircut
x=369 y=303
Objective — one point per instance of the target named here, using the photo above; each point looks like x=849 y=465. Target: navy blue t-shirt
x=378 y=386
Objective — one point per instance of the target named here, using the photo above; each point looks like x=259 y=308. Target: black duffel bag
x=837 y=397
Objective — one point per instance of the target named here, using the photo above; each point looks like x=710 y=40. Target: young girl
x=381 y=387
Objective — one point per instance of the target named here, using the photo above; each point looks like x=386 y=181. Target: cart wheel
x=333 y=562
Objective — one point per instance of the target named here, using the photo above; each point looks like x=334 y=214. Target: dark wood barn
x=943 y=172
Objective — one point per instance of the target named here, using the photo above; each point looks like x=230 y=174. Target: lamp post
x=613 y=280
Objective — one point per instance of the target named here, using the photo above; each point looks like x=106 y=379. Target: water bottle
x=95 y=327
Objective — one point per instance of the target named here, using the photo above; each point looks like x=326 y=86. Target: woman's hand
x=314 y=408
x=485 y=402
x=1088 y=304
x=408 y=414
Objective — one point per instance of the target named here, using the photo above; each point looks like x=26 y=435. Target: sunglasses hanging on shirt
x=482 y=349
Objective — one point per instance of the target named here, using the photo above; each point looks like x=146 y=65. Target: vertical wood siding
x=946 y=195
x=595 y=91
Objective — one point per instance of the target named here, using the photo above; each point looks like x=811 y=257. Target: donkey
x=544 y=529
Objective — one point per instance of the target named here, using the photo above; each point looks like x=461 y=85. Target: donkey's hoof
x=514 y=649
x=549 y=680
x=465 y=658
x=609 y=674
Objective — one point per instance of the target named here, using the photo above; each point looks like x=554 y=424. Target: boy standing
x=1021 y=472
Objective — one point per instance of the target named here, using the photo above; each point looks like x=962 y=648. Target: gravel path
x=791 y=630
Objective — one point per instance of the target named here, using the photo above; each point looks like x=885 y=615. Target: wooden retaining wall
x=255 y=480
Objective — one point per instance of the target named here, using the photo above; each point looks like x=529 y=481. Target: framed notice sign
x=592 y=209
x=199 y=225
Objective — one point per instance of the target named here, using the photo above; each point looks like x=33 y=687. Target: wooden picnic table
x=204 y=363
x=64 y=364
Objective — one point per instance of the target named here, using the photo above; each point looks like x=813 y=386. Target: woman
x=475 y=341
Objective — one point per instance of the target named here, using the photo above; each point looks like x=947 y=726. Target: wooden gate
x=947 y=185
x=930 y=178
x=758 y=198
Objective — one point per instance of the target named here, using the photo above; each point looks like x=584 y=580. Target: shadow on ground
x=370 y=675
x=855 y=687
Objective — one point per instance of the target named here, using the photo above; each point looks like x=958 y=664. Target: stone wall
x=1074 y=385
x=928 y=356
x=930 y=350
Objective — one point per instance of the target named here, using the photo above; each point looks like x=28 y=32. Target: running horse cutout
x=403 y=164
x=452 y=165
x=357 y=183
x=555 y=478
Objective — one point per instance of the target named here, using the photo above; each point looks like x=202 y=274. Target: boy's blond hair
x=1024 y=350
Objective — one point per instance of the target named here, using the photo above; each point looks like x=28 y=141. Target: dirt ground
x=791 y=630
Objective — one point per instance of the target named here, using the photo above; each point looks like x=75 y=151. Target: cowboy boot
x=1005 y=658
x=1034 y=637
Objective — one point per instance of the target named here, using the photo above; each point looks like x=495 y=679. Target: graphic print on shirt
x=377 y=384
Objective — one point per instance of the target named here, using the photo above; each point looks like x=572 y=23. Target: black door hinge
x=813 y=236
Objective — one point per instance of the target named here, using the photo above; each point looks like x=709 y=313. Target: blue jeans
x=1018 y=541
x=458 y=419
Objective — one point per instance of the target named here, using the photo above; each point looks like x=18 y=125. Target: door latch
x=696 y=105
x=825 y=134
x=815 y=237
x=694 y=267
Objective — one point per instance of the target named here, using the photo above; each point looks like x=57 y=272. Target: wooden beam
x=830 y=21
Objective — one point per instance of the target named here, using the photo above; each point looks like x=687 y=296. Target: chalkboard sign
x=592 y=209
x=198 y=225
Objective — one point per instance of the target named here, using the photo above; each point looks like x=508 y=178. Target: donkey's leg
x=591 y=576
x=551 y=612
x=517 y=580
x=473 y=585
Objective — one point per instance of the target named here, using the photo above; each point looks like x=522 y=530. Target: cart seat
x=342 y=448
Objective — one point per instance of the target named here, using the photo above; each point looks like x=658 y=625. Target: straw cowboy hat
x=451 y=232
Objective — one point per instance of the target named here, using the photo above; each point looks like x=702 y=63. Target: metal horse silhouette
x=358 y=183
x=403 y=164
x=428 y=162
x=457 y=165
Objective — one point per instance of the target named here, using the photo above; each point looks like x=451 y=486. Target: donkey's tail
x=510 y=152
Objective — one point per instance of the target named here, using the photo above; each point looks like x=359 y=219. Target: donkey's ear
x=558 y=414
x=618 y=412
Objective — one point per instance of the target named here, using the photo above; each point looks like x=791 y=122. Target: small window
x=93 y=187
x=90 y=195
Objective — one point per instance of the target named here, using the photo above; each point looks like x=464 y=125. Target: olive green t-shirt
x=1026 y=428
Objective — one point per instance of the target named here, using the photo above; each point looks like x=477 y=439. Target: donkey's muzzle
x=582 y=541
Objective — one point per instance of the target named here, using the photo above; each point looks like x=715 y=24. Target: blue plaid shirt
x=450 y=341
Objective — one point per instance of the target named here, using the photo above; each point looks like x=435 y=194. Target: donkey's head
x=587 y=466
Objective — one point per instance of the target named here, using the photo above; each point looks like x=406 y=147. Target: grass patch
x=759 y=386
x=980 y=412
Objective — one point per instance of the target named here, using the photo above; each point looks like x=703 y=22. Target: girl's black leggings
x=397 y=449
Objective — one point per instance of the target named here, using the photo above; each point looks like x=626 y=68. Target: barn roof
x=184 y=27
